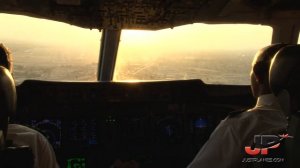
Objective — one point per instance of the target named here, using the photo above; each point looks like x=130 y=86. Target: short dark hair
x=5 y=57
x=263 y=58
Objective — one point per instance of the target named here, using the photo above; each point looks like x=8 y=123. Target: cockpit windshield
x=50 y=50
x=217 y=54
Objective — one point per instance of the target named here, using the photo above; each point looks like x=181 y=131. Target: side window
x=217 y=54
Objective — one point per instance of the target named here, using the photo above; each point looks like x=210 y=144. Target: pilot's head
x=260 y=69
x=6 y=58
x=285 y=74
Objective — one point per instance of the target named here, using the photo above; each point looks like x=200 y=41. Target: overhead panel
x=144 y=14
x=68 y=2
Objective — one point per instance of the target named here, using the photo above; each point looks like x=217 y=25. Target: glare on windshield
x=218 y=54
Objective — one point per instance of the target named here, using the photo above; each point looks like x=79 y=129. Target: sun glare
x=179 y=53
x=203 y=35
x=190 y=52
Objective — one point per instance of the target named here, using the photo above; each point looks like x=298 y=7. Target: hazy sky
x=73 y=40
x=189 y=38
x=210 y=36
x=205 y=36
x=32 y=29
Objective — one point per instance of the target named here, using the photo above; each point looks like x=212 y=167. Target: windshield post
x=108 y=54
x=285 y=33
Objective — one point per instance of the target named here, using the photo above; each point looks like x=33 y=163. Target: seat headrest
x=285 y=72
x=8 y=97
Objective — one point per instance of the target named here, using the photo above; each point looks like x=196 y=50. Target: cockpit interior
x=158 y=110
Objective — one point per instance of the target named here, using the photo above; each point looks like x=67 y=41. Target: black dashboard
x=158 y=124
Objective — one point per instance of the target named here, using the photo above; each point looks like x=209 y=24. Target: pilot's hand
x=125 y=164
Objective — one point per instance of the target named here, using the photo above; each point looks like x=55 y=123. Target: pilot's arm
x=222 y=150
x=46 y=151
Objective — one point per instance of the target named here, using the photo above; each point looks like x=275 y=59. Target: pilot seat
x=10 y=156
x=285 y=77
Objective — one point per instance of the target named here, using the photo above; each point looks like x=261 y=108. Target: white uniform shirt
x=225 y=146
x=44 y=156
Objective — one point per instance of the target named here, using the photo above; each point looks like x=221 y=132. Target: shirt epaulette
x=236 y=112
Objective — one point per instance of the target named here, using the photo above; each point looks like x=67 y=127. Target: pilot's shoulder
x=236 y=113
x=233 y=119
x=22 y=130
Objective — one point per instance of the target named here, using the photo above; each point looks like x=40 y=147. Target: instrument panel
x=157 y=124
x=154 y=139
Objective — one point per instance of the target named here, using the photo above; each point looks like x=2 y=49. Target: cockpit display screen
x=51 y=129
x=81 y=131
x=200 y=123
x=78 y=162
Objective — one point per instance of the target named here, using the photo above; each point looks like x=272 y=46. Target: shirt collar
x=268 y=102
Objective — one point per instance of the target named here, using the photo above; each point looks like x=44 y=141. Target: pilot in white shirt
x=225 y=147
x=44 y=156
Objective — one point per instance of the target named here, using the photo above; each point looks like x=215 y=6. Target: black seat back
x=293 y=144
x=285 y=77
x=7 y=98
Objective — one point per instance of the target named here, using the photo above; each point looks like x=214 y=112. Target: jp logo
x=265 y=142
